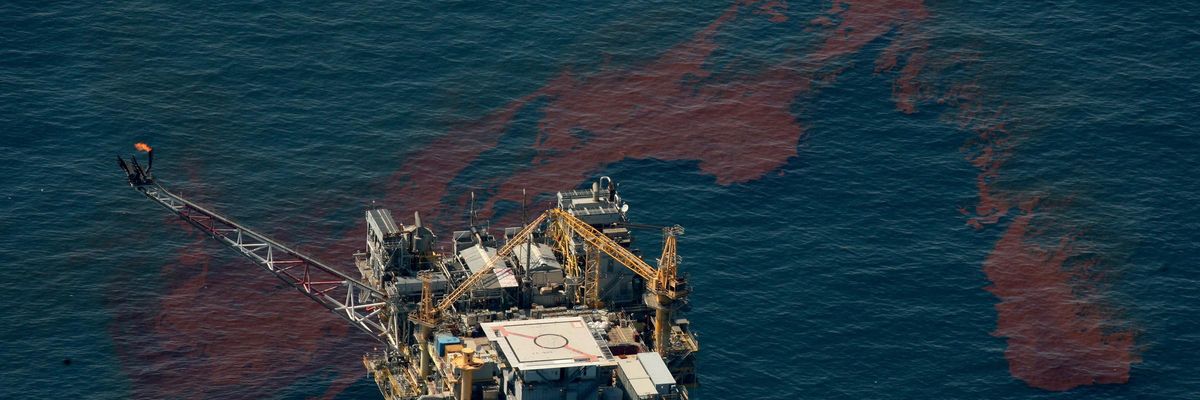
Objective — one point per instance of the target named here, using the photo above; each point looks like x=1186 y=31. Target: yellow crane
x=662 y=282
x=666 y=288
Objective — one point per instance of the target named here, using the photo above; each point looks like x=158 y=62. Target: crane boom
x=595 y=238
x=478 y=276
x=357 y=302
x=668 y=262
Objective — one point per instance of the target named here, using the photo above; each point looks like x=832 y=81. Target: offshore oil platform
x=560 y=308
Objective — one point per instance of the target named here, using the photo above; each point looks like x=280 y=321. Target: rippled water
x=883 y=199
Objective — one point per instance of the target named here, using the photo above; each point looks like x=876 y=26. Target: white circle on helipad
x=550 y=341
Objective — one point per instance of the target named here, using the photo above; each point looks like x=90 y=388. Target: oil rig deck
x=562 y=307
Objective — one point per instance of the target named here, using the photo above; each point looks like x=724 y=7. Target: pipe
x=467 y=367
x=468 y=384
x=426 y=362
x=607 y=184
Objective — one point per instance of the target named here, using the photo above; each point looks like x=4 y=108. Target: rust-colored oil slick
x=1057 y=337
x=736 y=126
x=1060 y=332
x=226 y=329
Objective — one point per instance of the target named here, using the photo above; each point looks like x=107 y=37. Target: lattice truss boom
x=360 y=304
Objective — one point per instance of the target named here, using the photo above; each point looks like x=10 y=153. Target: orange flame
x=142 y=147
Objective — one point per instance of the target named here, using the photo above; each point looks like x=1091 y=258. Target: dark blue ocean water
x=846 y=272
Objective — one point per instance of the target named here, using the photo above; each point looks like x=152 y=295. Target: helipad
x=548 y=343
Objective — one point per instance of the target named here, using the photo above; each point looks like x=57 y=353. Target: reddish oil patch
x=737 y=127
x=776 y=10
x=1057 y=338
x=988 y=152
x=906 y=89
x=241 y=333
x=864 y=21
x=217 y=332
x=1060 y=336
x=226 y=329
